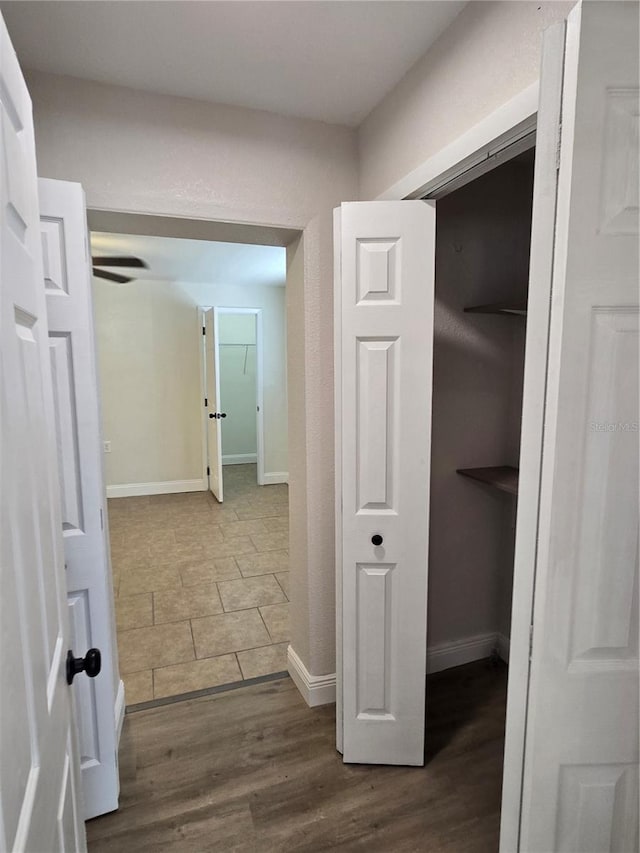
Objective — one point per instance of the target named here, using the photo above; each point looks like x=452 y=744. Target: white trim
x=168 y=487
x=321 y=689
x=459 y=652
x=314 y=689
x=337 y=420
x=275 y=477
x=506 y=124
x=260 y=397
x=240 y=459
x=202 y=349
x=119 y=710
x=541 y=259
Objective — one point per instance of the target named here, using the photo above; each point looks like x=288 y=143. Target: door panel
x=84 y=515
x=212 y=379
x=66 y=431
x=384 y=339
x=580 y=790
x=38 y=763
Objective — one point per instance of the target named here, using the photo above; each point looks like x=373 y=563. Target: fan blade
x=119 y=261
x=111 y=276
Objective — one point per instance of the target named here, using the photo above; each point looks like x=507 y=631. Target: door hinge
x=530 y=641
x=208 y=470
x=558 y=147
x=204 y=330
x=206 y=402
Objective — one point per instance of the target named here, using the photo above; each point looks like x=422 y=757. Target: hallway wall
x=489 y=54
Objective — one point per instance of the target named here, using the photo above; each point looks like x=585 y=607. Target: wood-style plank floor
x=256 y=770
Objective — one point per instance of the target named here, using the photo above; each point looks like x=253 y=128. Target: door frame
x=257 y=312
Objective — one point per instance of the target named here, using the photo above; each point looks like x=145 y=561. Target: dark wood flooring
x=256 y=770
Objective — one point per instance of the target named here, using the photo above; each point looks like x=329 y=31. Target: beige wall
x=149 y=362
x=489 y=54
x=138 y=152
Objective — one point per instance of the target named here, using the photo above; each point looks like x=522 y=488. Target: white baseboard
x=169 y=487
x=459 y=652
x=119 y=711
x=274 y=477
x=315 y=689
x=321 y=689
x=240 y=459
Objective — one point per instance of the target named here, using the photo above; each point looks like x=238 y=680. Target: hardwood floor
x=256 y=770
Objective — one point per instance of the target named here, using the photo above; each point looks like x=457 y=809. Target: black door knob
x=376 y=539
x=91 y=663
x=212 y=414
x=223 y=415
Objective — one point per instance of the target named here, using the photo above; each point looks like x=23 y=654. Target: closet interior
x=483 y=237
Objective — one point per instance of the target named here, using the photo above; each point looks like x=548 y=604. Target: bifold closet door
x=580 y=779
x=385 y=257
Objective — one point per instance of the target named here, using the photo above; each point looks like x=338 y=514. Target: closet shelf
x=502 y=477
x=512 y=309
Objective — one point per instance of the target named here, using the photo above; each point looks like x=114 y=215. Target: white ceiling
x=332 y=61
x=195 y=260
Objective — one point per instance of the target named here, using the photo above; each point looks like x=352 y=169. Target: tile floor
x=201 y=588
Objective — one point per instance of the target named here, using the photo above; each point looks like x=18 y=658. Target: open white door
x=580 y=778
x=214 y=415
x=84 y=517
x=40 y=796
x=384 y=340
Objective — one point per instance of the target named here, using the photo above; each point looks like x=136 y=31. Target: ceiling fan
x=126 y=261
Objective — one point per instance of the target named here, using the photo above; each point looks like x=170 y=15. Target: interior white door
x=384 y=341
x=214 y=415
x=580 y=781
x=40 y=795
x=84 y=515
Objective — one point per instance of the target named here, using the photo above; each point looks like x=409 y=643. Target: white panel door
x=580 y=790
x=384 y=342
x=40 y=796
x=214 y=415
x=84 y=517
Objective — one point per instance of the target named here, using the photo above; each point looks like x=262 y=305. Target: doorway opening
x=200 y=572
x=232 y=382
x=483 y=241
